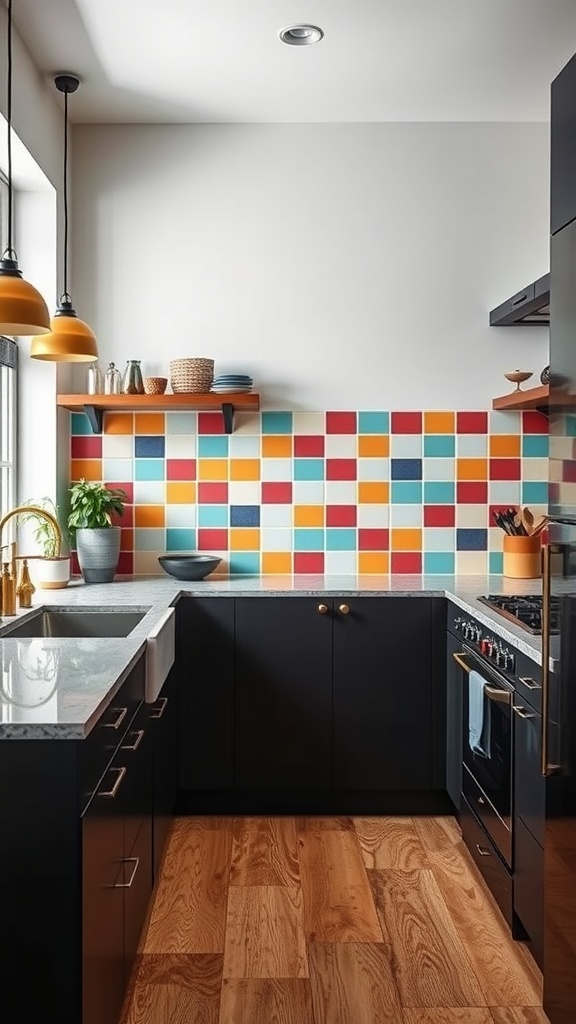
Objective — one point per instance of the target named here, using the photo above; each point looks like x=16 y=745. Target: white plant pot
x=98 y=551
x=52 y=573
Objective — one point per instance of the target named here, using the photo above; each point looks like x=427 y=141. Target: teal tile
x=534 y=493
x=212 y=515
x=149 y=469
x=212 y=446
x=308 y=469
x=180 y=539
x=308 y=540
x=535 y=446
x=406 y=492
x=341 y=539
x=244 y=563
x=570 y=426
x=439 y=562
x=439 y=492
x=439 y=445
x=79 y=424
x=496 y=562
x=276 y=422
x=373 y=423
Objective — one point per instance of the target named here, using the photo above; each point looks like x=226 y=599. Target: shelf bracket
x=228 y=414
x=95 y=418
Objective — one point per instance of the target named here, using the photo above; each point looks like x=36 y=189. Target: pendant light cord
x=65 y=296
x=9 y=251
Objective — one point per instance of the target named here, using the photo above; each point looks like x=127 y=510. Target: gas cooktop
x=525 y=610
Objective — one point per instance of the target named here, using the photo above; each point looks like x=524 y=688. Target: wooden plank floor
x=326 y=921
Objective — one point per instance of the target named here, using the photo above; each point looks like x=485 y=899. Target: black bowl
x=189 y=567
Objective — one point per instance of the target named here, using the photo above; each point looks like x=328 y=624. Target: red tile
x=122 y=485
x=126 y=563
x=74 y=566
x=276 y=493
x=406 y=562
x=472 y=423
x=86 y=447
x=212 y=540
x=406 y=423
x=373 y=540
x=568 y=471
x=471 y=492
x=340 y=469
x=439 y=515
x=210 y=423
x=181 y=469
x=534 y=422
x=309 y=561
x=505 y=469
x=341 y=515
x=340 y=422
x=309 y=446
x=126 y=519
x=213 y=493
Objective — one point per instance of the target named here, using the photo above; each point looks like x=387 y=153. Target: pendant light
x=22 y=308
x=70 y=339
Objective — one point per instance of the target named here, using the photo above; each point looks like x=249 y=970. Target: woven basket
x=155 y=385
x=191 y=376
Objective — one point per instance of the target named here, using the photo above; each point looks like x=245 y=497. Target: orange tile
x=373 y=561
x=244 y=469
x=212 y=469
x=180 y=493
x=149 y=423
x=277 y=562
x=504 y=445
x=439 y=422
x=376 y=446
x=126 y=540
x=87 y=469
x=118 y=423
x=277 y=446
x=245 y=539
x=406 y=539
x=471 y=469
x=373 y=493
x=308 y=515
x=149 y=515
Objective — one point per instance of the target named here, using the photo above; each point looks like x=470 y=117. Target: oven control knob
x=478 y=633
x=457 y=623
x=485 y=647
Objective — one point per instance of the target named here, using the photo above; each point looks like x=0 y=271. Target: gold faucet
x=26 y=510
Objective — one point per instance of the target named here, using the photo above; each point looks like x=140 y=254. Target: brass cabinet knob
x=344 y=609
x=322 y=608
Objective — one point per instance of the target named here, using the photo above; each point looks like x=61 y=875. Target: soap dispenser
x=25 y=588
x=8 y=591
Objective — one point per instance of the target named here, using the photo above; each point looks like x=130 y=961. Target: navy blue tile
x=406 y=469
x=149 y=446
x=471 y=540
x=244 y=515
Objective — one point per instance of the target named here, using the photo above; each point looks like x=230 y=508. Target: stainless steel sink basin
x=68 y=622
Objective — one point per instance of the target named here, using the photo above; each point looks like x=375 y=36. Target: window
x=8 y=365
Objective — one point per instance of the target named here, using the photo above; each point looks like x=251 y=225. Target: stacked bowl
x=232 y=383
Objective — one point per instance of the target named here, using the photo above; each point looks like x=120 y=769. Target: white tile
x=247 y=423
x=341 y=446
x=244 y=446
x=149 y=492
x=405 y=515
x=118 y=446
x=438 y=469
x=181 y=423
x=472 y=516
x=341 y=562
x=244 y=492
x=442 y=538
x=117 y=469
x=373 y=469
x=308 y=492
x=373 y=516
x=495 y=536
x=276 y=539
x=472 y=446
x=275 y=515
x=504 y=422
x=472 y=563
x=535 y=469
x=146 y=563
x=180 y=515
x=180 y=446
x=150 y=539
x=276 y=469
x=504 y=492
x=406 y=446
x=308 y=423
x=340 y=492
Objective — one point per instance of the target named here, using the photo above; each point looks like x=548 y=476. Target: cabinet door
x=563 y=148
x=164 y=718
x=205 y=658
x=136 y=886
x=283 y=693
x=529 y=887
x=529 y=783
x=383 y=693
x=453 y=722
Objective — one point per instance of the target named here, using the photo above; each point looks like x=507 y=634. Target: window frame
x=8 y=388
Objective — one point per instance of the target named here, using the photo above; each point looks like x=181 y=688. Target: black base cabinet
x=163 y=715
x=454 y=711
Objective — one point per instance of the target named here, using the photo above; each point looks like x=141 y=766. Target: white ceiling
x=380 y=60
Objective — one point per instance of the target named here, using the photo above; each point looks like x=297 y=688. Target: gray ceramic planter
x=98 y=552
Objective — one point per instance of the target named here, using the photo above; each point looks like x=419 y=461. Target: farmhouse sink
x=68 y=622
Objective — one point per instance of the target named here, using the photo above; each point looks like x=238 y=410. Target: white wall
x=343 y=265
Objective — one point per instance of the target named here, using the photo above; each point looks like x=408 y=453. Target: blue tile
x=180 y=539
x=439 y=562
x=534 y=493
x=244 y=563
x=440 y=446
x=535 y=446
x=340 y=539
x=212 y=447
x=212 y=515
x=244 y=515
x=496 y=562
x=276 y=422
x=373 y=423
x=471 y=540
x=79 y=424
x=570 y=426
x=308 y=469
x=406 y=469
x=308 y=539
x=149 y=469
x=149 y=446
x=406 y=492
x=439 y=492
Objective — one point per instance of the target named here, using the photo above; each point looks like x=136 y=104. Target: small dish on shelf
x=517 y=377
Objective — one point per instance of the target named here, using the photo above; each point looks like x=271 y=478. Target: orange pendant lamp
x=22 y=308
x=70 y=339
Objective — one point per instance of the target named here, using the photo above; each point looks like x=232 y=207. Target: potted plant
x=90 y=522
x=52 y=571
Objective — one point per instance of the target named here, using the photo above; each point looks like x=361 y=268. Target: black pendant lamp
x=70 y=339
x=22 y=308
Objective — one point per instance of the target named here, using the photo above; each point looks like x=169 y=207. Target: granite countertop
x=58 y=688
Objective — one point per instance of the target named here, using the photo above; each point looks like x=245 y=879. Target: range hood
x=531 y=305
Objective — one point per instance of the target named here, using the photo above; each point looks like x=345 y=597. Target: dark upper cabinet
x=563 y=148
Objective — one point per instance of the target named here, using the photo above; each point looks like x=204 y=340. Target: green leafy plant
x=43 y=531
x=92 y=505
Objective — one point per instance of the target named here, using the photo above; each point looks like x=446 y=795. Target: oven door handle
x=492 y=692
x=459 y=659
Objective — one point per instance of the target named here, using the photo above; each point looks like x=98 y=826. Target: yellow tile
x=212 y=469
x=505 y=446
x=244 y=539
x=406 y=539
x=149 y=515
x=277 y=562
x=277 y=446
x=472 y=469
x=308 y=515
x=373 y=561
x=118 y=423
x=376 y=446
x=244 y=469
x=87 y=469
x=180 y=493
x=439 y=422
x=373 y=493
x=149 y=423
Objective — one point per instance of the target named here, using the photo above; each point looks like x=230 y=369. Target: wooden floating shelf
x=96 y=405
x=531 y=398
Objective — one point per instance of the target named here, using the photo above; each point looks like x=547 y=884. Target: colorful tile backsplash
x=318 y=492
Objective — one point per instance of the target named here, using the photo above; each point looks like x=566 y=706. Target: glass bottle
x=132 y=383
x=112 y=381
x=94 y=379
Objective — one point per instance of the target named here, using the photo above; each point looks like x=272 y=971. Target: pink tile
x=341 y=515
x=181 y=469
x=209 y=540
x=276 y=493
x=406 y=423
x=309 y=446
x=340 y=469
x=309 y=562
x=86 y=447
x=340 y=422
x=210 y=423
x=406 y=562
x=212 y=493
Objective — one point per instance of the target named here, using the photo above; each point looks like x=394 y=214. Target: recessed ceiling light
x=301 y=35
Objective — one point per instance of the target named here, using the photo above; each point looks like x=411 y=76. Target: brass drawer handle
x=122 y=712
x=112 y=792
x=483 y=851
x=323 y=608
x=156 y=712
x=128 y=885
x=134 y=746
x=344 y=608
